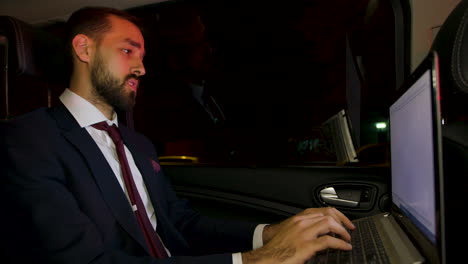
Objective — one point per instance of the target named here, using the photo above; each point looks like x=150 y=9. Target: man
x=73 y=193
x=184 y=105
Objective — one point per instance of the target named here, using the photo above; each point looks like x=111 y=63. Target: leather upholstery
x=33 y=52
x=35 y=68
x=451 y=44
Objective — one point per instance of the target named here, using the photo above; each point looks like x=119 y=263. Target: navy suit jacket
x=63 y=204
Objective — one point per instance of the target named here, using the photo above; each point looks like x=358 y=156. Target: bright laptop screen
x=412 y=155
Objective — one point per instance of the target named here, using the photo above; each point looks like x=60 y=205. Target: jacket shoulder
x=37 y=122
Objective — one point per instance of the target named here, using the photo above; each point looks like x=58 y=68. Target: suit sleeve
x=42 y=221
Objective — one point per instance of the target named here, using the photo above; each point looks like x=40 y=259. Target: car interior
x=276 y=142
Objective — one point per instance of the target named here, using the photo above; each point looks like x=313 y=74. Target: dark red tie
x=152 y=239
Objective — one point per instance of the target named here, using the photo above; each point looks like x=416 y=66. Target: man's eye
x=127 y=51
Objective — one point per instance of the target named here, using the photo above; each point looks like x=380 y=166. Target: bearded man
x=78 y=187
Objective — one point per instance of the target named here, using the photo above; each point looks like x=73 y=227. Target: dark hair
x=93 y=22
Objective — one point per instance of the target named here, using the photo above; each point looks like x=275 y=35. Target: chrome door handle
x=330 y=197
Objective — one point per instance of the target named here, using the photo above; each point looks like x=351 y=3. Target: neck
x=106 y=110
x=83 y=87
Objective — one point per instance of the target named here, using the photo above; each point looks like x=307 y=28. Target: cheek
x=118 y=67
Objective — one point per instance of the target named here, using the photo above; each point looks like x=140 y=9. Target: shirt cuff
x=237 y=258
x=258 y=236
x=257 y=243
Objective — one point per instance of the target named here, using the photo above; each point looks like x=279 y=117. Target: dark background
x=278 y=71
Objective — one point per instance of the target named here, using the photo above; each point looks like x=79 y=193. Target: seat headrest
x=451 y=45
x=32 y=51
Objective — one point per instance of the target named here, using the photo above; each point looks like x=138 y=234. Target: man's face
x=118 y=64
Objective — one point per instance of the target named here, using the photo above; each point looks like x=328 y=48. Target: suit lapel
x=103 y=174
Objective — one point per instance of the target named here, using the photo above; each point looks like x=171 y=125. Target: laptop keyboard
x=367 y=247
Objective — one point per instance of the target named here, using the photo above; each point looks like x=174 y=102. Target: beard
x=109 y=89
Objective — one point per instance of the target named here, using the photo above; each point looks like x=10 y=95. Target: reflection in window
x=253 y=81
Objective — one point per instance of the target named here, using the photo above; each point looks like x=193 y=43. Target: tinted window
x=253 y=81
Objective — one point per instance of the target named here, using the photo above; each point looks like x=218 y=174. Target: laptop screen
x=413 y=154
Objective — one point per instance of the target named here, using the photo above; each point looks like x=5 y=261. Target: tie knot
x=113 y=131
x=101 y=126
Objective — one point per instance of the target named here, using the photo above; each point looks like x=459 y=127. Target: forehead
x=123 y=31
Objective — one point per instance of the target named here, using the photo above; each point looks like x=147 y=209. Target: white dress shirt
x=86 y=114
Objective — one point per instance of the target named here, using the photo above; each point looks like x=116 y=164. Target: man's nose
x=139 y=69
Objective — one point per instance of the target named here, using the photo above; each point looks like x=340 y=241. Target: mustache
x=132 y=76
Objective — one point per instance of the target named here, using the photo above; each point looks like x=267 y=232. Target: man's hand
x=300 y=237
x=339 y=217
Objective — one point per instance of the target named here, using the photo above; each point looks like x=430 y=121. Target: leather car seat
x=451 y=44
x=34 y=66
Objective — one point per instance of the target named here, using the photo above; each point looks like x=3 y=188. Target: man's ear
x=82 y=47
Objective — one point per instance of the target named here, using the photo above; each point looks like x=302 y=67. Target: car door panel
x=271 y=194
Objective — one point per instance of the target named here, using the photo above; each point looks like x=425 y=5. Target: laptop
x=338 y=130
x=413 y=232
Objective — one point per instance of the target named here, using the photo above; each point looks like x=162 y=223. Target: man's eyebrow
x=134 y=44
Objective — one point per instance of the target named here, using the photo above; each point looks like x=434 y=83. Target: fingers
x=332 y=216
x=315 y=225
x=316 y=236
x=329 y=225
x=333 y=212
x=325 y=242
x=320 y=226
x=343 y=219
x=307 y=233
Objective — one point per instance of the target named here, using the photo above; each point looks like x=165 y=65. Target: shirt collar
x=85 y=113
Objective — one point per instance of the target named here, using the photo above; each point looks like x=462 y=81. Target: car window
x=252 y=82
